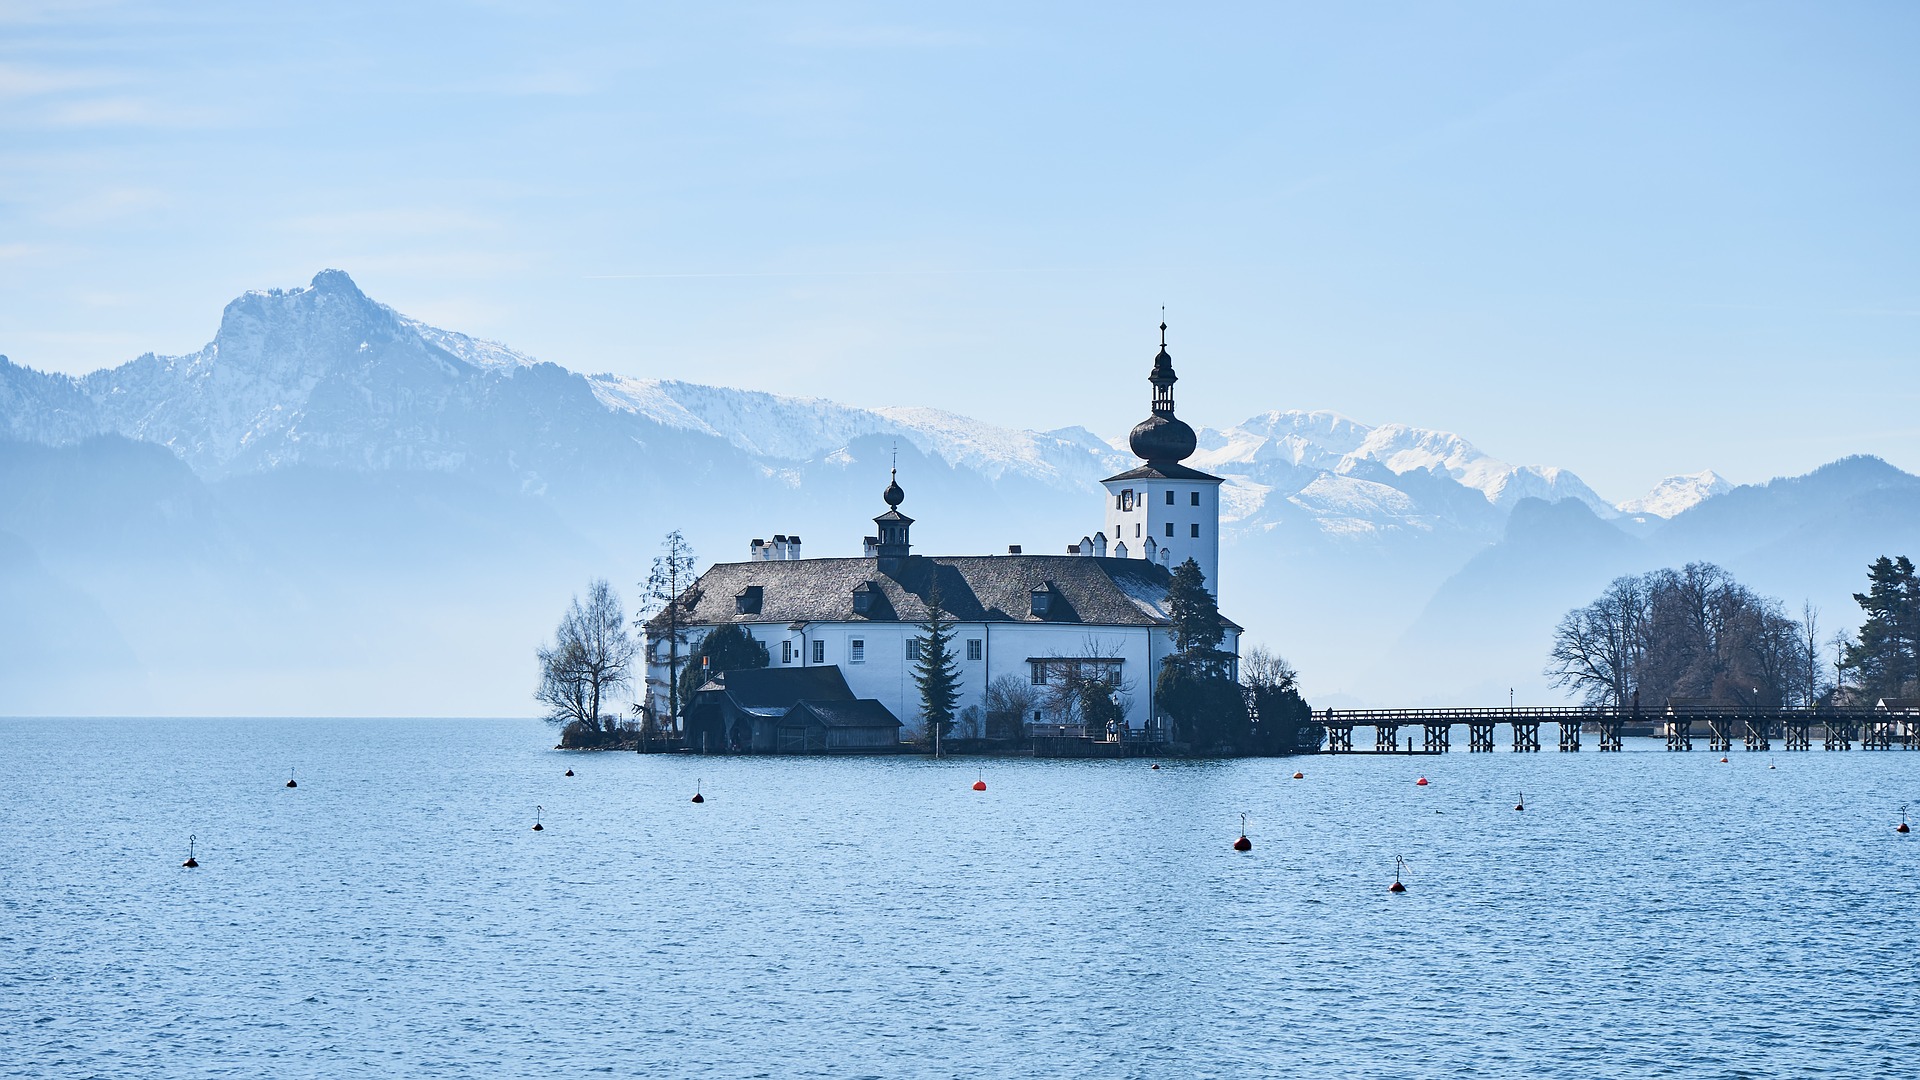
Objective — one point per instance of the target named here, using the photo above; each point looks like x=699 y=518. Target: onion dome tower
x=1163 y=438
x=1163 y=510
x=893 y=547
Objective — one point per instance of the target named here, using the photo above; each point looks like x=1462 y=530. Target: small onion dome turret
x=894 y=495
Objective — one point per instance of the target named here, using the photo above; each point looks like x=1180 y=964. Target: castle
x=1097 y=612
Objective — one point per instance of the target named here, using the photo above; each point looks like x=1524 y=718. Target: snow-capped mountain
x=1677 y=493
x=330 y=487
x=323 y=375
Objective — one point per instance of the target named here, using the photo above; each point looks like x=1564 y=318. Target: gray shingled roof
x=864 y=712
x=781 y=687
x=974 y=588
x=1165 y=470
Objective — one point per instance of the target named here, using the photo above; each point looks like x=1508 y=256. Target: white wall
x=1151 y=514
x=886 y=674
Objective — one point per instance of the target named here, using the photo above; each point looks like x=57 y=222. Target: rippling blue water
x=1650 y=914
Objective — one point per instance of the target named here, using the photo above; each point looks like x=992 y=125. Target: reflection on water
x=1648 y=914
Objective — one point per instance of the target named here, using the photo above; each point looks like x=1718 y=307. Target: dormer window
x=863 y=598
x=1042 y=601
x=747 y=601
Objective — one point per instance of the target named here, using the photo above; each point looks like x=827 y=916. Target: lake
x=1649 y=914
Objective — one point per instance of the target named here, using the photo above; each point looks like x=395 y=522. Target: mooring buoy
x=1522 y=804
x=1243 y=844
x=1299 y=776
x=980 y=785
x=1902 y=827
x=1156 y=764
x=537 y=827
x=1398 y=864
x=290 y=780
x=1723 y=761
x=697 y=797
x=191 y=862
x=1422 y=782
x=569 y=772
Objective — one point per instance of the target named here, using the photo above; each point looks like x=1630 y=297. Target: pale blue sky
x=1630 y=240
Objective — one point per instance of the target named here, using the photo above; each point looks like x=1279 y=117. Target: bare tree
x=1009 y=702
x=671 y=575
x=589 y=659
x=1596 y=649
x=1088 y=688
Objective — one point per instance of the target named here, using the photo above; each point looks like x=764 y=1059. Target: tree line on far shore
x=1697 y=633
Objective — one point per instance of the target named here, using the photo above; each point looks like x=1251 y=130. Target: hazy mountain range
x=335 y=508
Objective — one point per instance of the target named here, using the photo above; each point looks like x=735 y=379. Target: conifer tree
x=1885 y=661
x=1194 y=689
x=937 y=671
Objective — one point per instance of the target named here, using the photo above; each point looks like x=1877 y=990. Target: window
x=1195 y=498
x=916 y=648
x=856 y=650
x=1169 y=528
x=1196 y=531
x=973 y=648
x=1038 y=676
x=786 y=652
x=1169 y=496
x=819 y=652
x=1126 y=499
x=1136 y=529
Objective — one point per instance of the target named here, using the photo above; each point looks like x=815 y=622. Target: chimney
x=1013 y=549
x=869 y=547
x=758 y=551
x=1100 y=544
x=780 y=547
x=793 y=547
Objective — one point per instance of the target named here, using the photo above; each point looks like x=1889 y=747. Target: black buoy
x=290 y=780
x=1243 y=844
x=697 y=797
x=1902 y=827
x=537 y=827
x=191 y=862
x=569 y=772
x=1522 y=804
x=1398 y=864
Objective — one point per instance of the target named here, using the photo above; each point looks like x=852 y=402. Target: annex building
x=1099 y=611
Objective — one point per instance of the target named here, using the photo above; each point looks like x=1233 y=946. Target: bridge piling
x=1479 y=737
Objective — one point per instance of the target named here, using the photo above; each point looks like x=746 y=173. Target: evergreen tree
x=672 y=573
x=1195 y=689
x=727 y=648
x=1885 y=661
x=1194 y=612
x=937 y=671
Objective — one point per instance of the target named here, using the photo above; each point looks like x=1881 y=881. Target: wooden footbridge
x=1876 y=728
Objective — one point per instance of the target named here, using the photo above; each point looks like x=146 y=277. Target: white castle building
x=1098 y=610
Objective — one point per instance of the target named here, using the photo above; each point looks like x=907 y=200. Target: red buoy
x=1422 y=782
x=979 y=785
x=1396 y=887
x=1902 y=827
x=1723 y=761
x=1243 y=844
x=1299 y=776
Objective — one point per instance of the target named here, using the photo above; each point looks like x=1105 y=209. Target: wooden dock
x=1756 y=729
